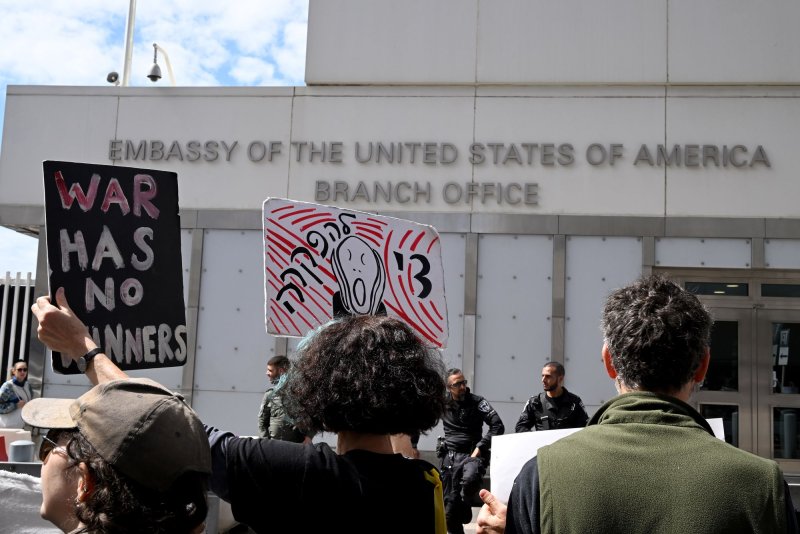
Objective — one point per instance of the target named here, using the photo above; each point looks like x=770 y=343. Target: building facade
x=561 y=150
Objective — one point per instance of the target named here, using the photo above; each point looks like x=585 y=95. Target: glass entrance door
x=727 y=391
x=777 y=382
x=753 y=382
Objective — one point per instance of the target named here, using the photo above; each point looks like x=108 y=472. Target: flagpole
x=126 y=69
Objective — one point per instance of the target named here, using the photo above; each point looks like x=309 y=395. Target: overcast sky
x=210 y=43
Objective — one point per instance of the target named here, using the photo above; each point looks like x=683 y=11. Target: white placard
x=510 y=452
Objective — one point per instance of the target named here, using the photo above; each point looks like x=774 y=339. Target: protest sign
x=113 y=244
x=512 y=451
x=321 y=262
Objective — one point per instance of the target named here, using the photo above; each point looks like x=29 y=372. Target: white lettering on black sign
x=113 y=243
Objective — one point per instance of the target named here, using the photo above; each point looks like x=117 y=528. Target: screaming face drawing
x=361 y=277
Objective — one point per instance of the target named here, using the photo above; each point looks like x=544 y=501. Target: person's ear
x=85 y=483
x=700 y=374
x=612 y=373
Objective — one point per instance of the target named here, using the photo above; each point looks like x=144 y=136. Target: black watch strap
x=83 y=362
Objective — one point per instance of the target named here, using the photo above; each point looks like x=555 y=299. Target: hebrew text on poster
x=322 y=262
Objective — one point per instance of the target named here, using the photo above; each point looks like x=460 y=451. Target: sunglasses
x=49 y=444
x=458 y=384
x=22 y=369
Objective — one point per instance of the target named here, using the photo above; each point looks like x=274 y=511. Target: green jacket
x=649 y=463
x=273 y=421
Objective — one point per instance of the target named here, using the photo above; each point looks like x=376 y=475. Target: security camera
x=155 y=73
x=113 y=77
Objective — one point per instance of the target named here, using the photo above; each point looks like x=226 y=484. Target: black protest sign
x=113 y=244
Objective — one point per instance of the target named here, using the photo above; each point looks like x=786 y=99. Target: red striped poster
x=322 y=262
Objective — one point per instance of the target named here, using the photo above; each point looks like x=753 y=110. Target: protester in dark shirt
x=647 y=462
x=364 y=378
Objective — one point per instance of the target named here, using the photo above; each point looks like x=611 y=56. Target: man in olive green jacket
x=647 y=462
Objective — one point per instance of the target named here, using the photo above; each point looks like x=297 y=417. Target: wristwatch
x=84 y=360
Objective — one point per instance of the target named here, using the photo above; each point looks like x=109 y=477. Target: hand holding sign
x=61 y=329
x=321 y=262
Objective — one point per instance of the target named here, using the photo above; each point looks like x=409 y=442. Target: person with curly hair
x=128 y=456
x=366 y=378
x=647 y=462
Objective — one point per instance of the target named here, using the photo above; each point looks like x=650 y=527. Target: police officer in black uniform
x=464 y=450
x=555 y=407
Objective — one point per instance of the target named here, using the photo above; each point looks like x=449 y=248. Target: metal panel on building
x=513 y=319
x=694 y=252
x=453 y=263
x=782 y=253
x=595 y=267
x=232 y=342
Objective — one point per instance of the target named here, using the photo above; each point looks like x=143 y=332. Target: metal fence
x=16 y=295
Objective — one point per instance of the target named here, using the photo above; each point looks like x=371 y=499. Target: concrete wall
x=540 y=42
x=525 y=281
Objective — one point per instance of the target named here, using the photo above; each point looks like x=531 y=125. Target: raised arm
x=62 y=331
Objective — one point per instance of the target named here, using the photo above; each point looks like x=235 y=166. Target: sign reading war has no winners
x=113 y=244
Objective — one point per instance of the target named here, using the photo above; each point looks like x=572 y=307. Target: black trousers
x=461 y=481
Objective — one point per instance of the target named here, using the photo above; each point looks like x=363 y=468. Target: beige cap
x=141 y=428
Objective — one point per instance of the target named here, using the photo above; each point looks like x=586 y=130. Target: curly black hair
x=657 y=333
x=367 y=374
x=117 y=504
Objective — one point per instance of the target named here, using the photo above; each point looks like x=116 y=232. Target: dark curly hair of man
x=119 y=505
x=657 y=333
x=368 y=374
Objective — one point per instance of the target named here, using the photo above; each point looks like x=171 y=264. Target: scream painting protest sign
x=113 y=244
x=321 y=262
